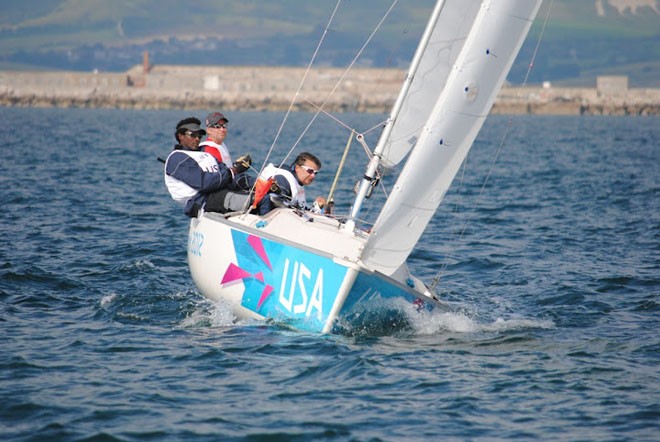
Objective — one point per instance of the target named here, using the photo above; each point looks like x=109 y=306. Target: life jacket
x=267 y=178
x=219 y=151
x=180 y=191
x=262 y=187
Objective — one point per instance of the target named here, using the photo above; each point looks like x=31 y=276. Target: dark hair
x=304 y=156
x=188 y=120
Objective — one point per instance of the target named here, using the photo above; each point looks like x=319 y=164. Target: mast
x=372 y=167
x=484 y=36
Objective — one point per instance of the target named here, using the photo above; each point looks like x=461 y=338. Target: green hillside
x=582 y=38
x=32 y=24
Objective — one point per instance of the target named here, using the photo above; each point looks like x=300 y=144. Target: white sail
x=460 y=106
x=444 y=45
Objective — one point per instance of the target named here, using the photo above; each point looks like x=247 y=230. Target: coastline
x=272 y=89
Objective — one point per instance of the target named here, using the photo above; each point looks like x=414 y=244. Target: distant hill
x=582 y=38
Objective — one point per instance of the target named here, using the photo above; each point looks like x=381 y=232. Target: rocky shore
x=577 y=101
x=514 y=101
x=272 y=89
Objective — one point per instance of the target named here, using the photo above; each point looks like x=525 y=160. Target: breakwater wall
x=273 y=89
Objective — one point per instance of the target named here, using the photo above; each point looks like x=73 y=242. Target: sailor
x=195 y=178
x=216 y=132
x=288 y=182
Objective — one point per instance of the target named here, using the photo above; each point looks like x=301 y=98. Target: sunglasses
x=309 y=170
x=192 y=134
x=219 y=126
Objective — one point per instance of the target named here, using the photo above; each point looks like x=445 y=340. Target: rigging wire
x=499 y=149
x=343 y=76
x=293 y=100
x=336 y=86
x=329 y=115
x=346 y=126
x=302 y=81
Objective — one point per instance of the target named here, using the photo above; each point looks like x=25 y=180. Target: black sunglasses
x=192 y=134
x=219 y=126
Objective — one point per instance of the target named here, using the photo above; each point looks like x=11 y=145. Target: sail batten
x=443 y=111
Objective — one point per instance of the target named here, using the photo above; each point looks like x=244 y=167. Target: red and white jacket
x=219 y=151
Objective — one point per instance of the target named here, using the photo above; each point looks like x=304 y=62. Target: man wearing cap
x=193 y=177
x=216 y=132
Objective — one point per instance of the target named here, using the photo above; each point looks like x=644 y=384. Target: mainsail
x=463 y=67
x=437 y=58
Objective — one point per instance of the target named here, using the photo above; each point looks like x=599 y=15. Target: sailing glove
x=243 y=163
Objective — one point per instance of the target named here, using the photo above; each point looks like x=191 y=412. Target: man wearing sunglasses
x=216 y=132
x=291 y=182
x=194 y=177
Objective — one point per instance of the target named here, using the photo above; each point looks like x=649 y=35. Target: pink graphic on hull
x=264 y=295
x=258 y=247
x=234 y=273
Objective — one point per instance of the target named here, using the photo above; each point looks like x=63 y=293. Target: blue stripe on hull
x=300 y=288
x=287 y=284
x=377 y=306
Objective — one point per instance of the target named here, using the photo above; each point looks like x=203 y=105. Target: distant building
x=608 y=84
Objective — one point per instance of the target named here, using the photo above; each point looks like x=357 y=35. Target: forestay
x=473 y=46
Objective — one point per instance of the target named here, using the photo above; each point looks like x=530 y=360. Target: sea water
x=546 y=250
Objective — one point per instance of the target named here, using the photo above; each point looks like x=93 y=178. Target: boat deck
x=316 y=232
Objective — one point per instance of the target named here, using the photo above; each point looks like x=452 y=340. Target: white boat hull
x=300 y=270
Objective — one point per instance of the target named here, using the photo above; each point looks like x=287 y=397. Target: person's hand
x=319 y=203
x=243 y=163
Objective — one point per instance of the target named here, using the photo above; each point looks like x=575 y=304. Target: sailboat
x=318 y=273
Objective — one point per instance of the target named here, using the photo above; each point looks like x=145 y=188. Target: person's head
x=189 y=133
x=305 y=167
x=216 y=127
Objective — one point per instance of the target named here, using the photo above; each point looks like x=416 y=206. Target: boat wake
x=390 y=318
x=399 y=317
x=460 y=322
x=210 y=314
